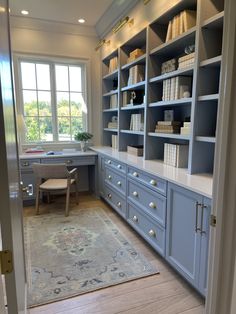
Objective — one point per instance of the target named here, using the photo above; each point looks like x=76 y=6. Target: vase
x=83 y=146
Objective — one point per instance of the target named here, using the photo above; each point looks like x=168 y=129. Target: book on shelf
x=136 y=122
x=113 y=65
x=171 y=127
x=112 y=125
x=136 y=53
x=186 y=61
x=169 y=66
x=136 y=74
x=186 y=128
x=176 y=155
x=180 y=23
x=176 y=88
x=114 y=141
x=113 y=101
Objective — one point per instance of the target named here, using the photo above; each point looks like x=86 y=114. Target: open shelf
x=112 y=92
x=159 y=78
x=206 y=139
x=111 y=76
x=214 y=22
x=134 y=107
x=182 y=101
x=110 y=110
x=134 y=86
x=110 y=130
x=208 y=97
x=139 y=60
x=132 y=132
x=211 y=62
x=167 y=135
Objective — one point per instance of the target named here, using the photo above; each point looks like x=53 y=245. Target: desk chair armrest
x=73 y=172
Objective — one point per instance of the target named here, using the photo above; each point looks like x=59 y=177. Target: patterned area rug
x=68 y=256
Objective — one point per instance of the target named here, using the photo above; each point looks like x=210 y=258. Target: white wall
x=63 y=40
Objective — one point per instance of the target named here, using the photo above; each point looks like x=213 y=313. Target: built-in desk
x=85 y=161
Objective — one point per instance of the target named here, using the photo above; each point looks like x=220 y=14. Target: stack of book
x=113 y=124
x=113 y=65
x=172 y=127
x=180 y=24
x=135 y=54
x=136 y=74
x=176 y=155
x=169 y=66
x=136 y=122
x=113 y=101
x=186 y=61
x=114 y=141
x=186 y=128
x=176 y=88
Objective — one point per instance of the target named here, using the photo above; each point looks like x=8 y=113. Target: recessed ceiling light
x=24 y=12
x=81 y=21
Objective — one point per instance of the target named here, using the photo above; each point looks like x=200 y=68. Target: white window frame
x=52 y=61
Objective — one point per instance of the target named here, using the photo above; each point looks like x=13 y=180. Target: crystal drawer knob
x=135 y=193
x=152 y=205
x=152 y=233
x=135 y=174
x=153 y=182
x=119 y=204
x=119 y=183
x=135 y=218
x=109 y=195
x=119 y=166
x=109 y=162
x=69 y=161
x=109 y=177
x=25 y=164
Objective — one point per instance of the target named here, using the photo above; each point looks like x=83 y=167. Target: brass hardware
x=152 y=233
x=109 y=162
x=119 y=204
x=109 y=177
x=135 y=174
x=119 y=183
x=202 y=216
x=101 y=43
x=135 y=218
x=213 y=220
x=152 y=205
x=153 y=182
x=6 y=264
x=109 y=195
x=135 y=193
x=29 y=189
x=119 y=166
x=121 y=23
x=196 y=221
x=25 y=164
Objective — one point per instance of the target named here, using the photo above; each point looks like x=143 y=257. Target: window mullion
x=54 y=102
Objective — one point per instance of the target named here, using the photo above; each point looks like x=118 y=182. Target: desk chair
x=55 y=177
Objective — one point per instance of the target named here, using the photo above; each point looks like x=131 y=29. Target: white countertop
x=199 y=183
x=57 y=154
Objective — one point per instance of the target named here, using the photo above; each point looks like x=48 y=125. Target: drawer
x=149 y=180
x=151 y=202
x=115 y=200
x=116 y=180
x=27 y=163
x=70 y=161
x=150 y=231
x=115 y=164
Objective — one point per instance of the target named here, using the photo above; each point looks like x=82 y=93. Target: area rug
x=68 y=256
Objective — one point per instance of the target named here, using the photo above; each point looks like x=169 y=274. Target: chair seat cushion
x=55 y=184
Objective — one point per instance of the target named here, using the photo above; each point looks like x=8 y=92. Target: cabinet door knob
x=109 y=195
x=119 y=183
x=153 y=182
x=135 y=218
x=152 y=205
x=135 y=174
x=119 y=166
x=119 y=204
x=152 y=233
x=109 y=162
x=25 y=164
x=135 y=193
x=109 y=177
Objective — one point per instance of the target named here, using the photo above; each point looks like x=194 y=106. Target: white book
x=182 y=156
x=172 y=88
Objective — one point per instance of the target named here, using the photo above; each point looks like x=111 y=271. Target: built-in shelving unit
x=145 y=96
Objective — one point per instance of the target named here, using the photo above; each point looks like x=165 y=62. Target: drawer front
x=151 y=202
x=152 y=232
x=70 y=161
x=115 y=200
x=153 y=182
x=116 y=180
x=115 y=164
x=27 y=163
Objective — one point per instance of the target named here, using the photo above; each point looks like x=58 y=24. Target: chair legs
x=37 y=201
x=67 y=201
x=76 y=192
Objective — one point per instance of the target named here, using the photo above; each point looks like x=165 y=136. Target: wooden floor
x=165 y=293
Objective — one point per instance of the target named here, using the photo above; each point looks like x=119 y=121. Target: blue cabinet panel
x=115 y=200
x=116 y=180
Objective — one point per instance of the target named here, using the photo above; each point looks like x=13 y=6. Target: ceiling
x=67 y=11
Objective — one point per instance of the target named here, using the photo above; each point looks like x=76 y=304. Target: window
x=53 y=100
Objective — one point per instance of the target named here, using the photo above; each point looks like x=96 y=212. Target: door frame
x=222 y=250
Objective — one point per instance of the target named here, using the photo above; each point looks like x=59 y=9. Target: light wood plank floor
x=164 y=293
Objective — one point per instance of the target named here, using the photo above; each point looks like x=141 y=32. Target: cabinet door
x=28 y=179
x=101 y=175
x=183 y=237
x=205 y=231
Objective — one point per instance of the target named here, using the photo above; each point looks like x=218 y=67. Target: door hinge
x=213 y=220
x=6 y=265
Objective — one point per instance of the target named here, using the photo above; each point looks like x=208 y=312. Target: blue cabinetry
x=187 y=234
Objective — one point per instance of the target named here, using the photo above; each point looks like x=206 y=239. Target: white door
x=10 y=194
